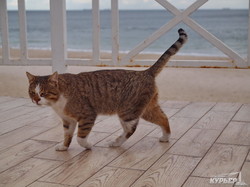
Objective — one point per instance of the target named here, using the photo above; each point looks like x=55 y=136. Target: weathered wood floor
x=208 y=139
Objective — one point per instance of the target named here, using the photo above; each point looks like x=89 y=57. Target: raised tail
x=155 y=69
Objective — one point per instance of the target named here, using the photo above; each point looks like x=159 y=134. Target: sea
x=230 y=26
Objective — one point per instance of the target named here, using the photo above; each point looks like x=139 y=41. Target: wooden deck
x=208 y=139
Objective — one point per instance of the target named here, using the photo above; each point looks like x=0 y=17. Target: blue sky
x=131 y=4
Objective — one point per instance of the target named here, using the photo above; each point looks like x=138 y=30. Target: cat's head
x=43 y=90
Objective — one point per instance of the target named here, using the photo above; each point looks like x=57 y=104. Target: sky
x=131 y=4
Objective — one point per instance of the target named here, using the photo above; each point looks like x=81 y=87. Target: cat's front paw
x=61 y=147
x=165 y=138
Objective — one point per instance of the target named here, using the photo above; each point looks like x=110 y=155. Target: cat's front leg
x=84 y=128
x=69 y=128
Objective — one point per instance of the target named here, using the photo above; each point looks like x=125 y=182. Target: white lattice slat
x=96 y=32
x=157 y=34
x=23 y=31
x=237 y=60
x=5 y=32
x=115 y=31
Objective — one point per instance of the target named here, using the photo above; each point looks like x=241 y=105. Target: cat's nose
x=37 y=100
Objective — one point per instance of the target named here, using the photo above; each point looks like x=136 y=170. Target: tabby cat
x=79 y=98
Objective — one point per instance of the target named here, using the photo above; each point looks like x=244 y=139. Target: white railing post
x=96 y=32
x=23 y=31
x=58 y=35
x=115 y=32
x=5 y=31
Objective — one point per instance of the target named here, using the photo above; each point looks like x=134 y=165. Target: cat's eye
x=42 y=94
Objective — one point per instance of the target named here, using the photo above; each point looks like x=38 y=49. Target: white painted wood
x=58 y=35
x=23 y=31
x=30 y=62
x=96 y=31
x=239 y=62
x=59 y=59
x=5 y=32
x=157 y=34
x=115 y=31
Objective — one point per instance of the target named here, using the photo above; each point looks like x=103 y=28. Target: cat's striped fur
x=79 y=98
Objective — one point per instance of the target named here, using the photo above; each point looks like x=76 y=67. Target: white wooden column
x=5 y=31
x=96 y=32
x=23 y=31
x=58 y=35
x=115 y=32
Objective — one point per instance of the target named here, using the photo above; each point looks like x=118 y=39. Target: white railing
x=59 y=60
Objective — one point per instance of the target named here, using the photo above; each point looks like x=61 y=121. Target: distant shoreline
x=87 y=54
x=226 y=9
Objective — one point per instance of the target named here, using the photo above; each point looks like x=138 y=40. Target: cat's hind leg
x=69 y=128
x=129 y=127
x=154 y=114
x=84 y=128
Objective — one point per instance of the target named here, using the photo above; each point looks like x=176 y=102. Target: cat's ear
x=54 y=78
x=30 y=77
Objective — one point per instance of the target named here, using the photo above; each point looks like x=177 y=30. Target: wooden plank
x=81 y=167
x=21 y=152
x=174 y=104
x=22 y=30
x=110 y=176
x=58 y=35
x=115 y=31
x=141 y=131
x=26 y=119
x=27 y=172
x=170 y=111
x=203 y=182
x=195 y=110
x=243 y=113
x=13 y=104
x=245 y=173
x=178 y=127
x=73 y=150
x=4 y=99
x=169 y=170
x=19 y=135
x=4 y=32
x=52 y=120
x=141 y=156
x=55 y=134
x=47 y=184
x=221 y=159
x=214 y=120
x=248 y=157
x=227 y=107
x=195 y=142
x=236 y=133
x=13 y=113
x=96 y=32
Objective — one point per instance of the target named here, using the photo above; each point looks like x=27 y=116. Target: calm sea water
x=230 y=26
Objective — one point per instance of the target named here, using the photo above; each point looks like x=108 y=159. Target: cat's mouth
x=40 y=102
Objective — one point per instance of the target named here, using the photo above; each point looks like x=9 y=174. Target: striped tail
x=155 y=69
